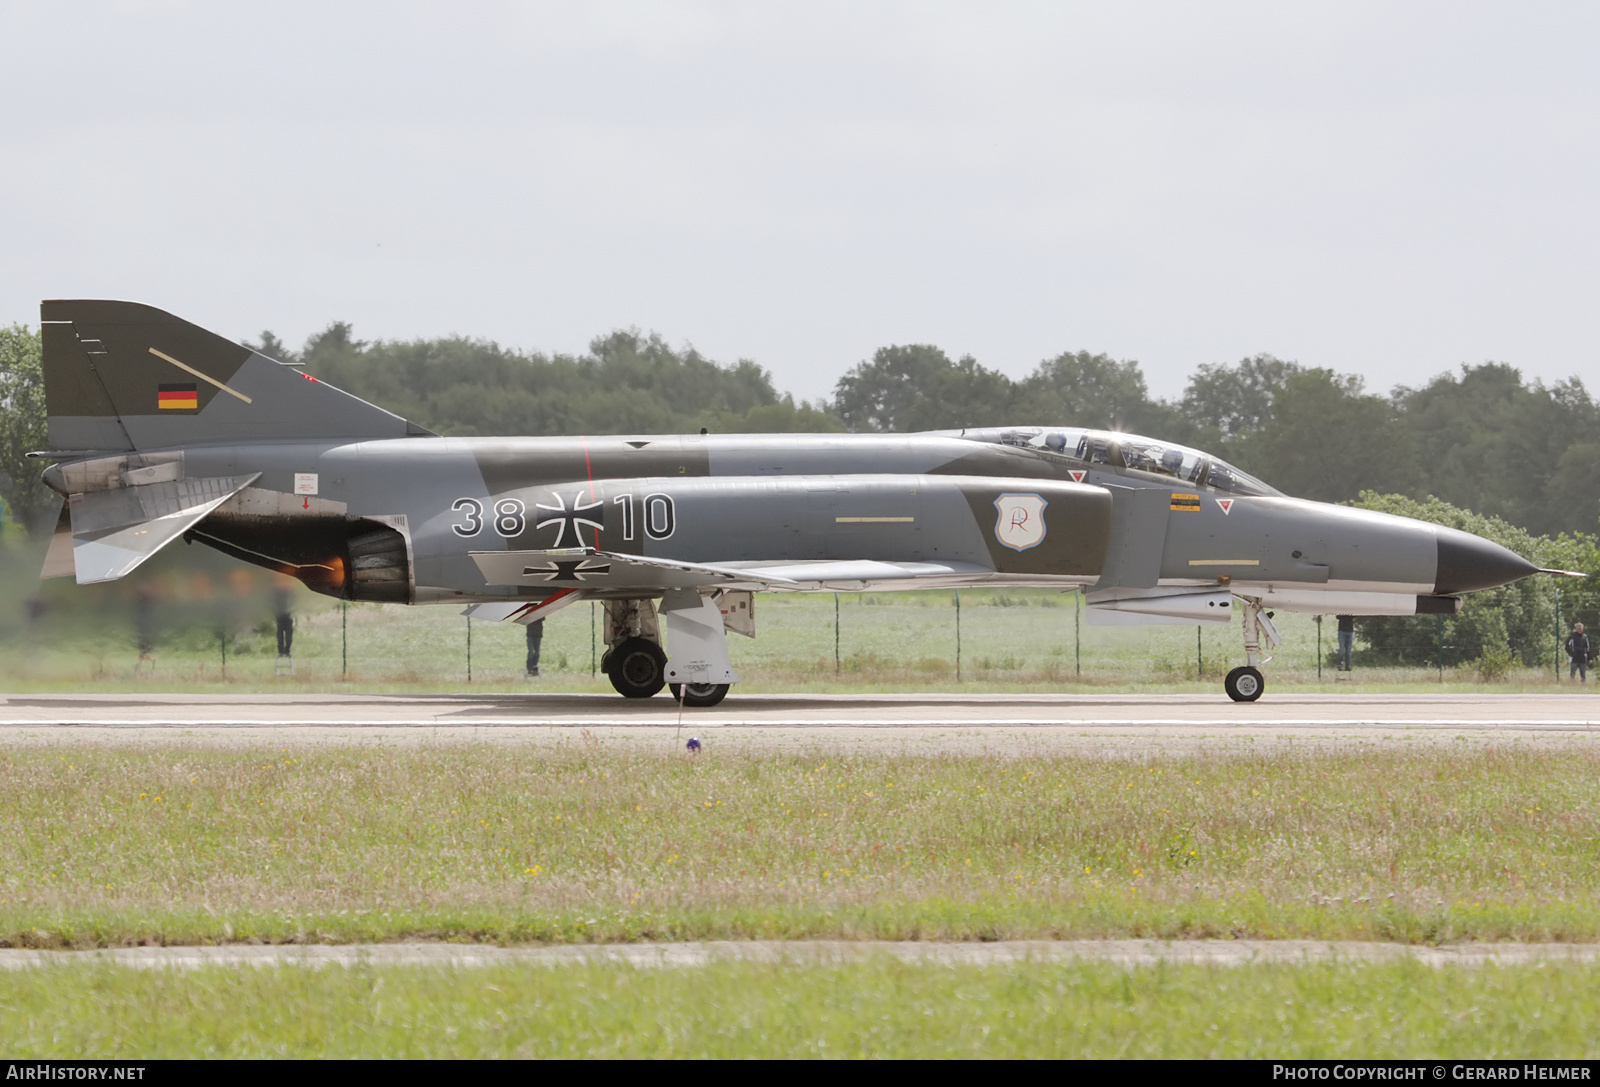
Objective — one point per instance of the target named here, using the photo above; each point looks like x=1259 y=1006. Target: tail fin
x=121 y=377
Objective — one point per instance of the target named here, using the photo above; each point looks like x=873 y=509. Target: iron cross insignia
x=564 y=518
x=568 y=569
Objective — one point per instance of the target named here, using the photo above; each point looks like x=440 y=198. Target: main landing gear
x=698 y=671
x=1245 y=684
x=699 y=694
x=637 y=668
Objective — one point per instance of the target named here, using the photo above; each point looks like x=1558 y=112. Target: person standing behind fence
x=1579 y=653
x=1347 y=640
x=535 y=637
x=285 y=625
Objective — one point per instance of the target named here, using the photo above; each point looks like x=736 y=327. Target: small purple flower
x=693 y=745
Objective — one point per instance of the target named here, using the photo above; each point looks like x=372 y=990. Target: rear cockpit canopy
x=1165 y=461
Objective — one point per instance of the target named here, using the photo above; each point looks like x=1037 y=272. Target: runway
x=920 y=721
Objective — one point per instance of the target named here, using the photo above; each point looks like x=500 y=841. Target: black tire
x=1244 y=684
x=637 y=668
x=699 y=694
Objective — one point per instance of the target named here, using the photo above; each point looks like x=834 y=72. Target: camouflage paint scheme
x=274 y=467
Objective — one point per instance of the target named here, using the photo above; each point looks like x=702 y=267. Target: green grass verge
x=584 y=841
x=878 y=1008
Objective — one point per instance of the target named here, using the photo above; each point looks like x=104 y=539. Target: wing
x=572 y=567
x=606 y=570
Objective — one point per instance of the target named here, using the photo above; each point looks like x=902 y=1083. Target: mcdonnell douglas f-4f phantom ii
x=160 y=429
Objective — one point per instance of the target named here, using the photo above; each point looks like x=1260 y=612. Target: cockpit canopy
x=1126 y=451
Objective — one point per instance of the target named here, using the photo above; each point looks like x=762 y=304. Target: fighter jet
x=159 y=429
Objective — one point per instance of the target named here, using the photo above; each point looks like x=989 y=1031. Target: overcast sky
x=1387 y=189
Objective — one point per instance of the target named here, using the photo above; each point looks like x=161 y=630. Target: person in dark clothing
x=535 y=637
x=1347 y=640
x=1579 y=653
x=285 y=625
x=144 y=623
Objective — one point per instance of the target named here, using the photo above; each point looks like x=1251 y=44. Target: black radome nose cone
x=1468 y=563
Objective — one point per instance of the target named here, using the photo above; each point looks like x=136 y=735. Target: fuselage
x=430 y=503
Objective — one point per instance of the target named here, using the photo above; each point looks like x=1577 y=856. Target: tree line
x=1480 y=438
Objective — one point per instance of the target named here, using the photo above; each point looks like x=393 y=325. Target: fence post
x=1438 y=633
x=344 y=638
x=594 y=659
x=1319 y=649
x=1560 y=642
x=958 y=635
x=1199 y=654
x=835 y=633
x=1077 y=638
x=469 y=649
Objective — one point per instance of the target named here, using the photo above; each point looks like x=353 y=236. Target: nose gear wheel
x=1244 y=684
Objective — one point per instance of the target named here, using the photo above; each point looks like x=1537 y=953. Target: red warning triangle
x=1226 y=504
x=1077 y=476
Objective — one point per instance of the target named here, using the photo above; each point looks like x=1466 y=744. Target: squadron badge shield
x=1020 y=524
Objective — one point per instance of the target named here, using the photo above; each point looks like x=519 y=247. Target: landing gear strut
x=1246 y=683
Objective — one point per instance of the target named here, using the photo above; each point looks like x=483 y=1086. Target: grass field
x=1015 y=640
x=592 y=842
x=880 y=1008
x=186 y=842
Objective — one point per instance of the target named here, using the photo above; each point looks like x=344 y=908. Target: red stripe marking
x=588 y=470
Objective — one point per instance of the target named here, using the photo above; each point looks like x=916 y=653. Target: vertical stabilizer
x=120 y=376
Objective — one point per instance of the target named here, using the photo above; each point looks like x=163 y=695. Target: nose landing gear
x=1245 y=684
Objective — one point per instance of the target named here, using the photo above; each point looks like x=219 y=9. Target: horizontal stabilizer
x=114 y=531
x=58 y=557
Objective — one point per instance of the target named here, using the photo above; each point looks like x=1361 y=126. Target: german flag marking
x=1189 y=503
x=179 y=397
